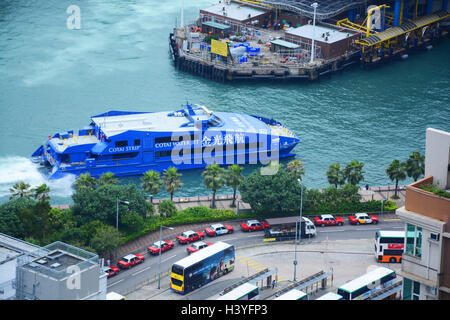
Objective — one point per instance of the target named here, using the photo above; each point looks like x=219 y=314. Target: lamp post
x=297 y=229
x=117 y=216
x=159 y=258
x=314 y=5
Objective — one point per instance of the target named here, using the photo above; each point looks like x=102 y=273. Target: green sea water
x=53 y=79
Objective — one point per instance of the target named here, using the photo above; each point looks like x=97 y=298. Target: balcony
x=426 y=203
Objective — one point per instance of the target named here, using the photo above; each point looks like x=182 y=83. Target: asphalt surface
x=346 y=250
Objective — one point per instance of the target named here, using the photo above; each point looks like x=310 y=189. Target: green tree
x=233 y=178
x=85 y=180
x=353 y=172
x=167 y=208
x=106 y=240
x=396 y=171
x=151 y=183
x=172 y=181
x=20 y=190
x=415 y=165
x=276 y=194
x=335 y=175
x=296 y=168
x=100 y=203
x=214 y=179
x=132 y=222
x=107 y=178
x=41 y=193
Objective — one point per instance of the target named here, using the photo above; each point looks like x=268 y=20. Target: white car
x=218 y=229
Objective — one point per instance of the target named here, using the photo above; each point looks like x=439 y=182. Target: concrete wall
x=437 y=157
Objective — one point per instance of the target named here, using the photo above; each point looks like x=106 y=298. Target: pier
x=278 y=40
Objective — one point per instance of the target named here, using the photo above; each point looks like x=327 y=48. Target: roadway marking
x=169 y=258
x=254 y=235
x=141 y=271
x=115 y=283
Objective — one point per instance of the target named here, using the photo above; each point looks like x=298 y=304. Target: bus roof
x=365 y=279
x=391 y=234
x=238 y=292
x=293 y=294
x=330 y=296
x=202 y=254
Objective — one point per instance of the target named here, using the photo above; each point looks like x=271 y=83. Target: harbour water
x=53 y=79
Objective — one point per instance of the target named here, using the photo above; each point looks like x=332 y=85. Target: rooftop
x=319 y=33
x=234 y=11
x=54 y=259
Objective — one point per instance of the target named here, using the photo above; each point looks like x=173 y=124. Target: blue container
x=209 y=48
x=202 y=45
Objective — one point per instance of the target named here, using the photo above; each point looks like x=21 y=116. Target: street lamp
x=314 y=5
x=117 y=216
x=296 y=228
x=159 y=258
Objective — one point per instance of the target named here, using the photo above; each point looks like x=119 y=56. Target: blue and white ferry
x=131 y=143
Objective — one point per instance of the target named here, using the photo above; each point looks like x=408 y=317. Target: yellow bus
x=202 y=267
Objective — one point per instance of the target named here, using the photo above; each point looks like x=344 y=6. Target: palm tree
x=233 y=178
x=85 y=180
x=415 y=165
x=396 y=171
x=353 y=172
x=107 y=178
x=214 y=179
x=20 y=190
x=296 y=168
x=41 y=193
x=172 y=181
x=151 y=183
x=334 y=175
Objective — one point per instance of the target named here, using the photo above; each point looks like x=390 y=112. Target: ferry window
x=137 y=142
x=121 y=156
x=123 y=143
x=163 y=139
x=160 y=154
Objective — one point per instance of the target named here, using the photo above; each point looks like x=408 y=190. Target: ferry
x=131 y=143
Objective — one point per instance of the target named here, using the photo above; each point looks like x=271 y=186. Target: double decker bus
x=389 y=246
x=202 y=267
x=246 y=291
x=364 y=286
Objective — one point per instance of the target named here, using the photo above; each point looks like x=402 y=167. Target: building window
x=413 y=240
x=411 y=289
x=416 y=290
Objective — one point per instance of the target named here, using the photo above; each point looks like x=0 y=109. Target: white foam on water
x=15 y=169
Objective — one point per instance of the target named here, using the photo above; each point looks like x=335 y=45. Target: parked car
x=253 y=225
x=197 y=246
x=111 y=271
x=328 y=220
x=363 y=218
x=190 y=236
x=130 y=261
x=160 y=245
x=218 y=229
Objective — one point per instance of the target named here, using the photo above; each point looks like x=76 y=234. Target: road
x=129 y=280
